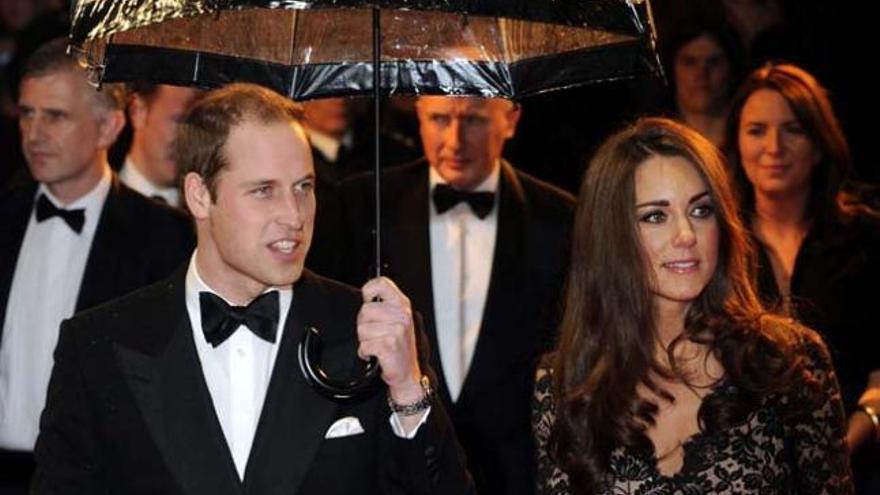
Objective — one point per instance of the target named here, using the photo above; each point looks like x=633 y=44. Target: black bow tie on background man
x=446 y=197
x=73 y=218
x=220 y=320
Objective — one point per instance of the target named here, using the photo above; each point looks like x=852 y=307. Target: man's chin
x=287 y=277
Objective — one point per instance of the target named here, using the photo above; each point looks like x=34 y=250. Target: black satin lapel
x=171 y=393
x=13 y=220
x=407 y=247
x=295 y=418
x=102 y=266
x=507 y=264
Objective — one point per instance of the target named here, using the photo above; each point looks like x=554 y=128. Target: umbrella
x=320 y=48
x=308 y=49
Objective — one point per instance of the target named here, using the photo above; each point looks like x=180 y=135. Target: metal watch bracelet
x=416 y=407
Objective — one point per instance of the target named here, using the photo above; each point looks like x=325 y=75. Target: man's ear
x=137 y=111
x=197 y=196
x=512 y=114
x=111 y=125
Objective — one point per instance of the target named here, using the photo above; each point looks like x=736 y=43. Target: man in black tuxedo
x=481 y=250
x=74 y=238
x=192 y=386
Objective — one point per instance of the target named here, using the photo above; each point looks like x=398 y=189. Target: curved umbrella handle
x=309 y=354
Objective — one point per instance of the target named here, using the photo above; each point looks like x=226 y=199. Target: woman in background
x=819 y=253
x=670 y=377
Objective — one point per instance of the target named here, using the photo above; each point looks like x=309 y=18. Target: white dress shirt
x=45 y=287
x=238 y=371
x=132 y=177
x=460 y=280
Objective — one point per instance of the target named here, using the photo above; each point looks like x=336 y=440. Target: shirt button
x=240 y=352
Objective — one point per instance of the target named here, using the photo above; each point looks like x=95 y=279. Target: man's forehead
x=461 y=105
x=60 y=88
x=173 y=97
x=253 y=145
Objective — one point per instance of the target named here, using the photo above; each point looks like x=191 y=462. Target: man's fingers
x=383 y=288
x=382 y=312
x=374 y=331
x=382 y=347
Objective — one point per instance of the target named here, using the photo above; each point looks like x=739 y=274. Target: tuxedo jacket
x=491 y=415
x=328 y=251
x=128 y=411
x=137 y=242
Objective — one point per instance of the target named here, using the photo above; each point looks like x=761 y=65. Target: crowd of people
x=698 y=318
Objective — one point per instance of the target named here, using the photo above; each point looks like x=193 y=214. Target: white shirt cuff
x=398 y=429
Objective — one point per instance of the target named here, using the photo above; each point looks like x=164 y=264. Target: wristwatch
x=416 y=407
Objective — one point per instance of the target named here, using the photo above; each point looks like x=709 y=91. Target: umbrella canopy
x=320 y=48
x=310 y=49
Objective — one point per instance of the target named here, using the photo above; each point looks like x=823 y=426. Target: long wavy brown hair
x=608 y=334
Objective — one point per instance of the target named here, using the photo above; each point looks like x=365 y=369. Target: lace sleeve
x=551 y=481
x=817 y=435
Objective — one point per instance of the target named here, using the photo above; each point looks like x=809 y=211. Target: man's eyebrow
x=258 y=182
x=309 y=176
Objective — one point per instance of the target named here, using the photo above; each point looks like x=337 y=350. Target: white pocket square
x=345 y=427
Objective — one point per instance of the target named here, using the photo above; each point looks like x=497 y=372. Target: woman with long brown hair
x=819 y=252
x=670 y=376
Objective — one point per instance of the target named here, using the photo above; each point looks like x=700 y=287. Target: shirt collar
x=91 y=202
x=490 y=184
x=195 y=284
x=133 y=178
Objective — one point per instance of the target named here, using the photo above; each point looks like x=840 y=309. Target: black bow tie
x=73 y=218
x=220 y=320
x=446 y=197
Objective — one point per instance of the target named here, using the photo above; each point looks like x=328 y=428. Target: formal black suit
x=328 y=251
x=136 y=243
x=491 y=415
x=128 y=411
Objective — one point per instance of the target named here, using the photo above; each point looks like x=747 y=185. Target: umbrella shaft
x=377 y=164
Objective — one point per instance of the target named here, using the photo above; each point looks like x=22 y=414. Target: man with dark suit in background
x=154 y=112
x=481 y=249
x=342 y=146
x=71 y=240
x=192 y=385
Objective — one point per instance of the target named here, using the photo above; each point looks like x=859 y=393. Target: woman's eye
x=703 y=211
x=796 y=129
x=653 y=217
x=755 y=131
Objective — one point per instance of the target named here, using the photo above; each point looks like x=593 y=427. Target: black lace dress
x=762 y=455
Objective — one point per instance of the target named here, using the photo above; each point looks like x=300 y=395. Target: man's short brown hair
x=52 y=58
x=199 y=146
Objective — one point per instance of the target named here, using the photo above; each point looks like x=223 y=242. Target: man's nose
x=292 y=210
x=31 y=128
x=453 y=137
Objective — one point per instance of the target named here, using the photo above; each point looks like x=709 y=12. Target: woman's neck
x=781 y=215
